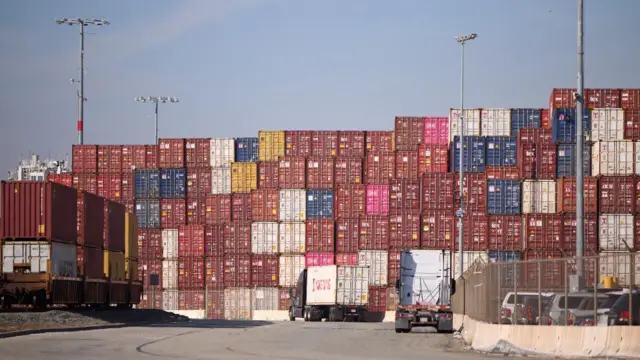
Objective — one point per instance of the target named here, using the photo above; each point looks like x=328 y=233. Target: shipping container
x=190 y=272
x=109 y=186
x=524 y=118
x=297 y=143
x=173 y=184
x=616 y=232
x=471 y=122
x=237 y=304
x=129 y=205
x=564 y=125
x=268 y=175
x=237 y=270
x=351 y=143
x=128 y=188
x=196 y=211
x=84 y=159
x=221 y=180
x=151 y=300
x=147 y=184
x=351 y=200
x=436 y=131
x=320 y=235
x=292 y=205
x=562 y=98
x=394 y=265
x=192 y=300
x=348 y=171
x=90 y=219
x=244 y=177
x=438 y=191
x=475 y=232
x=237 y=238
x=532 y=136
x=545 y=119
x=475 y=192
x=374 y=233
x=607 y=124
x=214 y=240
x=567 y=195
x=404 y=195
x=292 y=172
x=407 y=165
x=292 y=237
x=379 y=141
x=62 y=179
x=265 y=299
x=379 y=168
x=217 y=209
x=404 y=230
x=502 y=151
x=409 y=133
x=471 y=260
x=347 y=259
x=240 y=207
x=284 y=300
x=90 y=262
x=378 y=263
x=543 y=231
x=170 y=299
x=505 y=232
x=617 y=194
x=264 y=205
x=271 y=145
x=567 y=159
x=377 y=299
x=590 y=234
x=320 y=172
x=377 y=200
x=618 y=264
x=173 y=213
x=612 y=158
x=630 y=99
x=347 y=235
x=214 y=273
x=502 y=172
x=495 y=122
x=86 y=182
x=290 y=267
x=422 y=277
x=150 y=244
x=632 y=124
x=347 y=285
x=53 y=258
x=264 y=237
x=324 y=143
x=222 y=152
x=247 y=149
x=602 y=98
x=191 y=240
x=198 y=153
x=130 y=236
x=171 y=153
x=147 y=268
x=319 y=259
x=433 y=158
x=319 y=204
x=537 y=161
x=539 y=196
x=509 y=273
x=170 y=244
x=133 y=157
x=109 y=159
x=438 y=229
x=148 y=213
x=544 y=269
x=114 y=265
x=474 y=154
x=198 y=182
x=504 y=197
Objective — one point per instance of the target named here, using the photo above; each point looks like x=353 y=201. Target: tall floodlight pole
x=81 y=97
x=157 y=100
x=579 y=148
x=460 y=213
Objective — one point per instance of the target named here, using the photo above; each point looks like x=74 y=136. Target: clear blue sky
x=243 y=65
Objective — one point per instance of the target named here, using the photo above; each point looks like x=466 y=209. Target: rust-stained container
x=437 y=229
x=632 y=124
x=347 y=259
x=320 y=235
x=39 y=210
x=190 y=272
x=109 y=186
x=377 y=299
x=217 y=209
x=133 y=157
x=534 y=136
x=407 y=165
x=214 y=272
x=197 y=153
x=62 y=179
x=617 y=194
x=475 y=191
x=476 y=231
x=237 y=270
x=542 y=231
x=409 y=132
x=347 y=235
x=291 y=172
x=348 y=170
x=297 y=143
x=438 y=191
x=191 y=240
x=240 y=207
x=268 y=175
x=545 y=119
x=502 y=173
x=590 y=232
x=537 y=161
x=109 y=159
x=630 y=99
x=90 y=220
x=114 y=215
x=320 y=172
x=602 y=98
x=196 y=211
x=379 y=141
x=86 y=182
x=562 y=98
x=567 y=195
x=324 y=143
x=198 y=182
x=264 y=270
x=173 y=213
x=237 y=238
x=264 y=205
x=90 y=262
x=379 y=167
x=84 y=159
x=351 y=200
x=171 y=153
x=404 y=230
x=128 y=189
x=214 y=240
x=505 y=232
x=351 y=143
x=404 y=195
x=374 y=233
x=150 y=244
x=433 y=158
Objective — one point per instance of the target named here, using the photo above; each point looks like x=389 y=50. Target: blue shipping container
x=502 y=151
x=567 y=159
x=524 y=118
x=173 y=183
x=474 y=154
x=148 y=213
x=564 y=125
x=507 y=270
x=147 y=184
x=503 y=197
x=319 y=204
x=247 y=149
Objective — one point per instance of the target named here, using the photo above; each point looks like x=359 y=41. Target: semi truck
x=331 y=292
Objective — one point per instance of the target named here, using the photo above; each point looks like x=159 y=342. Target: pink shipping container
x=347 y=259
x=214 y=272
x=348 y=170
x=240 y=207
x=393 y=272
x=84 y=159
x=320 y=235
x=268 y=175
x=171 y=153
x=379 y=141
x=542 y=231
x=237 y=270
x=196 y=211
x=632 y=124
x=90 y=262
x=191 y=300
x=436 y=131
x=630 y=99
x=217 y=209
x=377 y=299
x=475 y=191
x=90 y=219
x=407 y=165
x=62 y=179
x=404 y=195
x=197 y=153
x=109 y=186
x=191 y=240
x=476 y=231
x=324 y=143
x=173 y=213
x=114 y=226
x=351 y=200
x=237 y=238
x=505 y=232
x=438 y=191
x=214 y=240
x=351 y=143
x=190 y=272
x=379 y=168
x=264 y=205
x=291 y=172
x=109 y=159
x=409 y=132
x=86 y=182
x=320 y=172
x=150 y=243
x=128 y=192
x=297 y=143
x=347 y=235
x=433 y=158
x=198 y=182
x=374 y=233
x=438 y=228
x=319 y=259
x=377 y=199
x=404 y=230
x=264 y=270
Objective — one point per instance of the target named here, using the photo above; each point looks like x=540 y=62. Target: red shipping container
x=264 y=205
x=191 y=300
x=502 y=172
x=130 y=205
x=394 y=266
x=291 y=172
x=630 y=99
x=347 y=259
x=264 y=270
x=475 y=192
x=602 y=98
x=39 y=210
x=86 y=182
x=297 y=143
x=438 y=191
x=109 y=159
x=632 y=124
x=214 y=240
x=320 y=172
x=148 y=267
x=617 y=194
x=62 y=179
x=438 y=228
x=284 y=301
x=433 y=158
x=374 y=233
x=191 y=240
x=190 y=272
x=377 y=299
x=534 y=136
x=268 y=175
x=379 y=168
x=324 y=143
x=404 y=230
x=320 y=235
x=347 y=235
x=218 y=209
x=215 y=304
x=90 y=262
x=90 y=219
x=237 y=238
x=128 y=189
x=545 y=119
x=543 y=231
x=197 y=153
x=407 y=165
x=173 y=213
x=109 y=186
x=114 y=228
x=196 y=211
x=404 y=195
x=152 y=156
x=409 y=132
x=476 y=231
x=151 y=299
x=436 y=131
x=567 y=195
x=379 y=141
x=198 y=182
x=351 y=143
x=133 y=157
x=378 y=200
x=150 y=244
x=545 y=269
x=237 y=270
x=214 y=272
x=590 y=232
x=505 y=232
x=348 y=170
x=171 y=153
x=319 y=259
x=537 y=161
x=350 y=200
x=84 y=159
x=562 y=98
x=240 y=207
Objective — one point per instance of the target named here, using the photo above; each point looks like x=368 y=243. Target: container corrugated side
x=90 y=219
x=246 y=149
x=324 y=143
x=198 y=153
x=438 y=229
x=378 y=263
x=191 y=239
x=148 y=213
x=495 y=122
x=351 y=200
x=503 y=197
x=474 y=154
x=237 y=270
x=264 y=205
x=237 y=304
x=292 y=205
x=221 y=181
x=618 y=264
x=147 y=184
x=222 y=152
x=404 y=195
x=320 y=172
x=568 y=198
x=348 y=170
x=351 y=143
x=409 y=132
x=319 y=203
x=616 y=232
x=170 y=243
x=237 y=238
x=539 y=196
x=109 y=159
x=617 y=194
x=607 y=124
x=320 y=235
x=502 y=151
x=564 y=124
x=130 y=236
x=377 y=200
x=436 y=131
x=265 y=299
x=90 y=262
x=264 y=237
x=244 y=177
x=319 y=259
x=438 y=191
x=170 y=274
x=173 y=183
x=567 y=154
x=351 y=285
x=290 y=268
x=347 y=235
x=292 y=172
x=271 y=145
x=471 y=122
x=612 y=158
x=407 y=165
x=292 y=237
x=297 y=143
x=114 y=265
x=42 y=256
x=524 y=118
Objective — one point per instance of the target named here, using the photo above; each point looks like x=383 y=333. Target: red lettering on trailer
x=321 y=285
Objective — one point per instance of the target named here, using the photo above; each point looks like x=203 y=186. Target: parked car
x=619 y=314
x=527 y=305
x=574 y=303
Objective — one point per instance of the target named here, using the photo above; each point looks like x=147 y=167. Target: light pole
x=460 y=213
x=81 y=97
x=579 y=149
x=156 y=100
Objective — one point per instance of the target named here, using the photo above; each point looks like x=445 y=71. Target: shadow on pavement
x=213 y=324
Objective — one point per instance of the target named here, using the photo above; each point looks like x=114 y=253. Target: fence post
x=515 y=294
x=499 y=291
x=595 y=292
x=566 y=291
x=632 y=282
x=539 y=291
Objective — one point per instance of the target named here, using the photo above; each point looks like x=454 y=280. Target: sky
x=239 y=66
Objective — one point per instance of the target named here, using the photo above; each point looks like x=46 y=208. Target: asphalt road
x=213 y=340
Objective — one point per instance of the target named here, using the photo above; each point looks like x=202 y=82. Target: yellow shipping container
x=131 y=269
x=244 y=177
x=270 y=145
x=114 y=265
x=130 y=236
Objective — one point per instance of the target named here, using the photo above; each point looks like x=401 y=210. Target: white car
x=509 y=305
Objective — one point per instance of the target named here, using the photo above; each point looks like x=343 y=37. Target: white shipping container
x=615 y=231
x=223 y=152
x=341 y=285
x=424 y=275
x=470 y=258
x=221 y=181
x=618 y=264
x=607 y=124
x=471 y=122
x=63 y=257
x=290 y=268
x=264 y=237
x=612 y=158
x=170 y=300
x=292 y=237
x=265 y=298
x=169 y=274
x=378 y=263
x=539 y=197
x=170 y=243
x=495 y=122
x=292 y=205
x=237 y=304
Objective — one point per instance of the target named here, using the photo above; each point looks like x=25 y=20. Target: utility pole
x=156 y=100
x=579 y=149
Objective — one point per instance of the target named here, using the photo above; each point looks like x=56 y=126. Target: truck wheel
x=398 y=331
x=291 y=317
x=305 y=315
